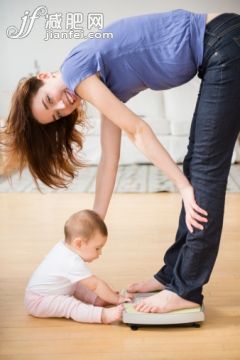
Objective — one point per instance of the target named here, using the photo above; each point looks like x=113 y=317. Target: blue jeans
x=214 y=130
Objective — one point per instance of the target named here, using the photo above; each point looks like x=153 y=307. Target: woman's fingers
x=197 y=217
x=199 y=210
x=196 y=225
x=189 y=226
x=193 y=219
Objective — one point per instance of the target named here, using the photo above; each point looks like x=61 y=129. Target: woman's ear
x=44 y=75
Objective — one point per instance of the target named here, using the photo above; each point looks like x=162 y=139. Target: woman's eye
x=49 y=99
x=59 y=115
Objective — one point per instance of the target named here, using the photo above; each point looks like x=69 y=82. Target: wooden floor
x=141 y=227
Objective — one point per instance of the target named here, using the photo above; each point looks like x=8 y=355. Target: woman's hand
x=192 y=210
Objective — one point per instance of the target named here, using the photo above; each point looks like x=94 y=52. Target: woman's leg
x=217 y=124
x=165 y=274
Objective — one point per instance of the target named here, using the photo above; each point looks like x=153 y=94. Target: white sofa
x=169 y=113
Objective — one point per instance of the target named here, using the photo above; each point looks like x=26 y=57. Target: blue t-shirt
x=156 y=51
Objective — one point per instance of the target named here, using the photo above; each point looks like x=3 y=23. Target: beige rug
x=130 y=179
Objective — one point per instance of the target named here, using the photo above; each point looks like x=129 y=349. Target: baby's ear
x=78 y=242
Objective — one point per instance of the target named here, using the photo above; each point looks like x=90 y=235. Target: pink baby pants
x=79 y=306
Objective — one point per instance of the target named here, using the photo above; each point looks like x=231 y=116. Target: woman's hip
x=222 y=41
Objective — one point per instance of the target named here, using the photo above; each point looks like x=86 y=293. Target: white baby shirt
x=59 y=272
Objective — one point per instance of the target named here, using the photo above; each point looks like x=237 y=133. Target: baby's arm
x=103 y=290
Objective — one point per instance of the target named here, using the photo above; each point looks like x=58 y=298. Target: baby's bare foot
x=112 y=314
x=146 y=286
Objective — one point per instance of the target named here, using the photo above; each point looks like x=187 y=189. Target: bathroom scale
x=184 y=316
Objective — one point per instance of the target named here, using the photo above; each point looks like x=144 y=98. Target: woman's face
x=53 y=100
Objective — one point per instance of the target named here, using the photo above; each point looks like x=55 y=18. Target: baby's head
x=86 y=233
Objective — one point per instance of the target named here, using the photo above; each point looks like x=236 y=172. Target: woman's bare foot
x=112 y=314
x=146 y=286
x=164 y=301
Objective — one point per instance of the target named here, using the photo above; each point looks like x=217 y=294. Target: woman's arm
x=108 y=165
x=94 y=91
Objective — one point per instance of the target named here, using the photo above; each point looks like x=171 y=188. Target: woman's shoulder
x=81 y=62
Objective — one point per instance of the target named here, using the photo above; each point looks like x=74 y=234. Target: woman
x=157 y=51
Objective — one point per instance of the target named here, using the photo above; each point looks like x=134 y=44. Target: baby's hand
x=129 y=295
x=123 y=299
x=124 y=296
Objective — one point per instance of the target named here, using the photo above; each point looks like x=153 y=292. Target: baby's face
x=92 y=249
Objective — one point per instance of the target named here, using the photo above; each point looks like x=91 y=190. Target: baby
x=63 y=286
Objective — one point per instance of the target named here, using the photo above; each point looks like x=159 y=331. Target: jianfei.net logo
x=58 y=25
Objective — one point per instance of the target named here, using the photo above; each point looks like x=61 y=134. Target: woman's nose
x=59 y=105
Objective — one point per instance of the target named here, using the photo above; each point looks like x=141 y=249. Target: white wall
x=18 y=55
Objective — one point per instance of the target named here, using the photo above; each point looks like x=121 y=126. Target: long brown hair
x=49 y=151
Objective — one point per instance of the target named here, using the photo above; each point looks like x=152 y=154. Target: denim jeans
x=214 y=130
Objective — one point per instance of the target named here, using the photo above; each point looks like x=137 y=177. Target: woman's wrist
x=183 y=184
